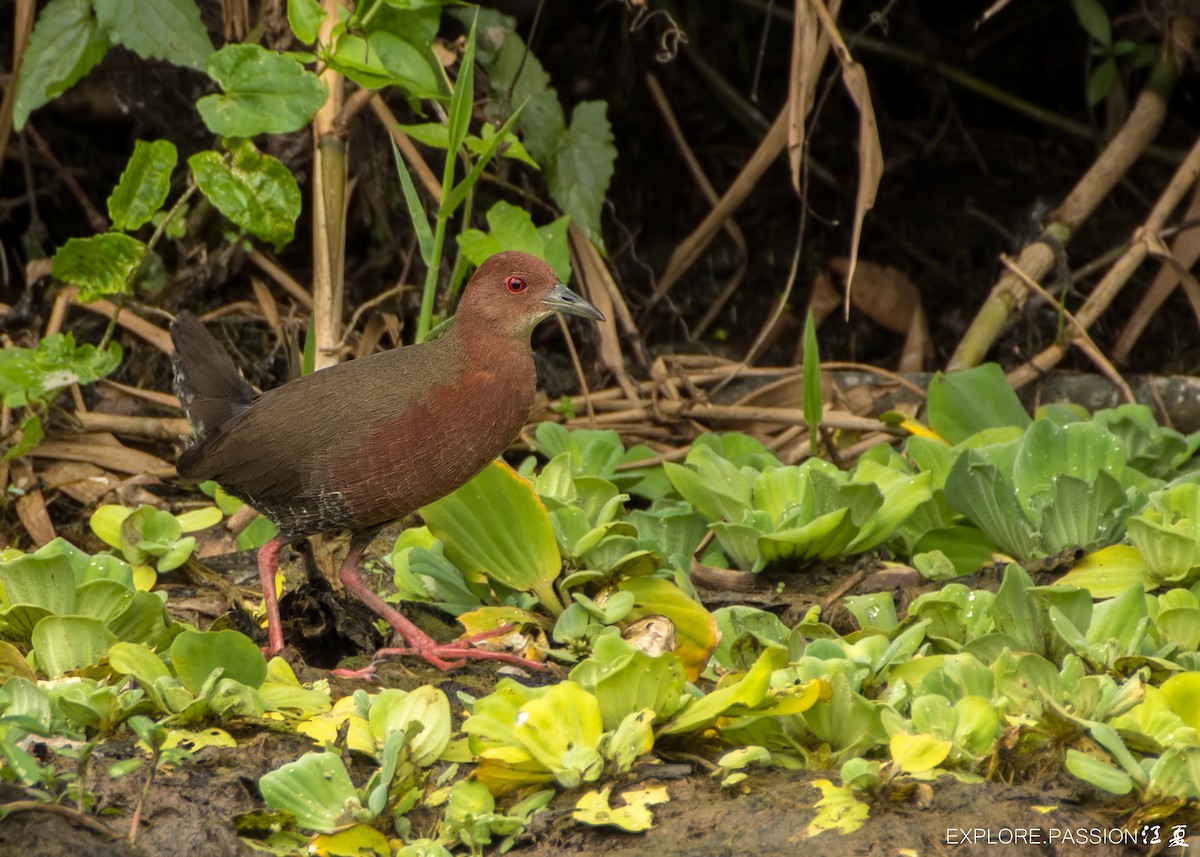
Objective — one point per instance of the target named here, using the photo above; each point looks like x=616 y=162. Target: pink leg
x=268 y=564
x=444 y=657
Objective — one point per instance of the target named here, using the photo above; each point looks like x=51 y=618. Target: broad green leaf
x=65 y=643
x=511 y=228
x=747 y=691
x=316 y=789
x=915 y=754
x=435 y=134
x=305 y=17
x=384 y=59
x=47 y=582
x=106 y=523
x=254 y=190
x=144 y=185
x=103 y=599
x=168 y=30
x=265 y=93
x=963 y=403
x=497 y=526
x=65 y=44
x=1182 y=693
x=197 y=654
x=625 y=680
x=1167 y=533
x=557 y=727
x=1074 y=513
x=1047 y=451
x=1015 y=613
x=425 y=705
x=1097 y=773
x=579 y=173
x=977 y=489
x=138 y=661
x=198 y=519
x=1109 y=572
x=100 y=265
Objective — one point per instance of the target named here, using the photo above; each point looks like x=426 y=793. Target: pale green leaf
x=265 y=93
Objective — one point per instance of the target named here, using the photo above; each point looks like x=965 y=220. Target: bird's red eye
x=515 y=285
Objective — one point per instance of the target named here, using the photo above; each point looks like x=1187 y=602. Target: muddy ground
x=189 y=812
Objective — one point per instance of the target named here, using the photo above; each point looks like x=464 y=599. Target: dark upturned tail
x=209 y=386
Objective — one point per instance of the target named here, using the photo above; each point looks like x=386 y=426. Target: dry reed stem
x=1185 y=248
x=1037 y=258
x=1108 y=287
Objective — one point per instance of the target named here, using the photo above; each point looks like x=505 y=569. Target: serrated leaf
x=100 y=265
x=255 y=191
x=305 y=17
x=581 y=168
x=144 y=185
x=65 y=44
x=265 y=93
x=168 y=30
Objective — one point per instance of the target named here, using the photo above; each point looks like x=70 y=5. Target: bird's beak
x=562 y=299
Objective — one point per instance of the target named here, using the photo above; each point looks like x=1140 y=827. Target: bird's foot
x=446 y=656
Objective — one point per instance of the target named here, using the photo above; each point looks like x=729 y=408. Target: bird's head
x=511 y=292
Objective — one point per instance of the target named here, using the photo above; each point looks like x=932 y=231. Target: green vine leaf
x=168 y=30
x=144 y=185
x=265 y=93
x=100 y=265
x=64 y=45
x=255 y=191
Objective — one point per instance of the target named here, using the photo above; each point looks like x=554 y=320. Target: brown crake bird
x=364 y=443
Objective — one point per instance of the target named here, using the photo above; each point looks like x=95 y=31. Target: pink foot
x=447 y=656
